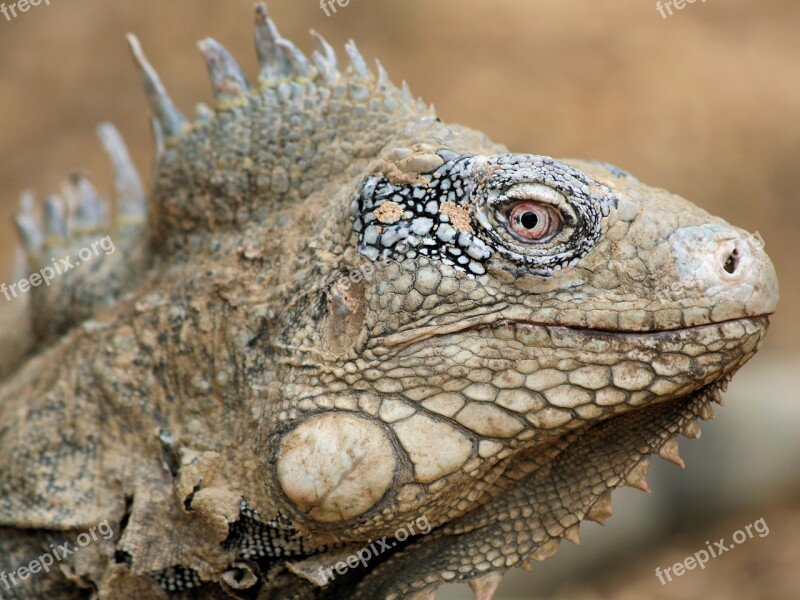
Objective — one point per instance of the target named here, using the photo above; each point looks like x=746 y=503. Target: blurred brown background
x=705 y=103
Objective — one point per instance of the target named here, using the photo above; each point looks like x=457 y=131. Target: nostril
x=732 y=261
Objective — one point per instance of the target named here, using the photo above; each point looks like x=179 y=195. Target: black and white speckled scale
x=253 y=539
x=480 y=186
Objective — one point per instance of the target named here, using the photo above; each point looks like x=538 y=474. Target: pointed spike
x=706 y=412
x=324 y=68
x=55 y=218
x=546 y=550
x=27 y=203
x=29 y=234
x=158 y=137
x=326 y=50
x=130 y=194
x=670 y=452
x=227 y=78
x=357 y=61
x=383 y=77
x=405 y=93
x=90 y=210
x=692 y=430
x=26 y=224
x=171 y=119
x=300 y=65
x=637 y=478
x=601 y=511
x=68 y=194
x=573 y=535
x=203 y=113
x=271 y=57
x=485 y=587
x=714 y=394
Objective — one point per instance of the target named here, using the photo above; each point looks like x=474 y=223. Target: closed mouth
x=494 y=321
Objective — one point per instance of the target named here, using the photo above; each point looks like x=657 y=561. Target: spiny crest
x=80 y=210
x=279 y=60
x=72 y=222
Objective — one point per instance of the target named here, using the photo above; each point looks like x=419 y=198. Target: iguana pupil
x=529 y=220
x=534 y=222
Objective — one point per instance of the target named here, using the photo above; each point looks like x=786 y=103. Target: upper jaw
x=518 y=316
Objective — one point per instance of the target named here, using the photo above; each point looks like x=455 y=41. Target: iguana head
x=491 y=341
x=401 y=322
x=516 y=335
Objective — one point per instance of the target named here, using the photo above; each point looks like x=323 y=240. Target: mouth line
x=631 y=332
x=492 y=321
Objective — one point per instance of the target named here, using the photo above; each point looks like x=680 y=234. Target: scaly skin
x=331 y=324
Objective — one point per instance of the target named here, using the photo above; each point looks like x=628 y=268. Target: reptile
x=342 y=349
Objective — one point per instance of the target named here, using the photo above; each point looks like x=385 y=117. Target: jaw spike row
x=357 y=61
x=485 y=587
x=669 y=452
x=601 y=510
x=171 y=120
x=637 y=478
x=131 y=201
x=546 y=550
x=271 y=58
x=692 y=430
x=706 y=412
x=227 y=78
x=573 y=535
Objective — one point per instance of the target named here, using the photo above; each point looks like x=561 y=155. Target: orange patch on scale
x=459 y=216
x=388 y=212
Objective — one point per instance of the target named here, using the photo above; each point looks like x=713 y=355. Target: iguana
x=336 y=326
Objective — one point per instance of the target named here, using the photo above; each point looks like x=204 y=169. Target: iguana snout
x=729 y=266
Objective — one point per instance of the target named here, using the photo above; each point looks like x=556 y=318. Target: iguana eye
x=533 y=222
x=536 y=212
